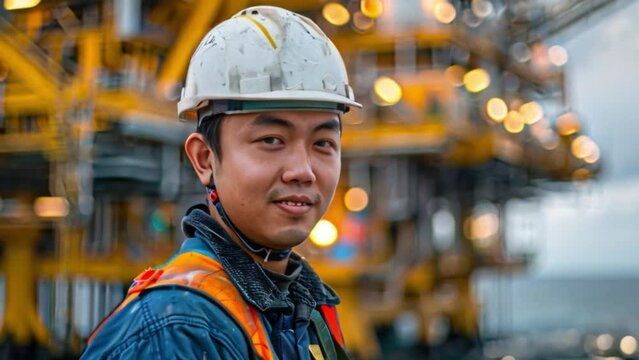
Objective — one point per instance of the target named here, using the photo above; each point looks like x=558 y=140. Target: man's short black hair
x=209 y=127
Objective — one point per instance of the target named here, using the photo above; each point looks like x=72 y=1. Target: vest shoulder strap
x=200 y=272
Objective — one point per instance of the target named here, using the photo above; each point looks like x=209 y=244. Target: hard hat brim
x=187 y=108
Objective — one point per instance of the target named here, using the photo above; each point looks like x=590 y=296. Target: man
x=267 y=89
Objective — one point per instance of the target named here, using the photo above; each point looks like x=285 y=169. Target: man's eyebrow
x=332 y=124
x=270 y=120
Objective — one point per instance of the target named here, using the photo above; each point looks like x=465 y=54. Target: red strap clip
x=149 y=277
x=213 y=196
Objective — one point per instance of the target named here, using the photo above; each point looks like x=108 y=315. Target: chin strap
x=259 y=250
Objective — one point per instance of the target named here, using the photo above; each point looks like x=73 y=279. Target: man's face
x=278 y=173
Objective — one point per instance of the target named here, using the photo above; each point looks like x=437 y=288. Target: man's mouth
x=293 y=203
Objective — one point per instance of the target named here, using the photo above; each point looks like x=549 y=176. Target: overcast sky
x=596 y=231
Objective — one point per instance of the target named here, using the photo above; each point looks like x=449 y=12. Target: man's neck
x=278 y=266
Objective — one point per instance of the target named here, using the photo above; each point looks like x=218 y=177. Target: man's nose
x=299 y=167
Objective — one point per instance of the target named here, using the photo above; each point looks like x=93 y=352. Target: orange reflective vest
x=201 y=272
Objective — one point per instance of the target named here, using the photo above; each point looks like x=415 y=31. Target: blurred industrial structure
x=465 y=109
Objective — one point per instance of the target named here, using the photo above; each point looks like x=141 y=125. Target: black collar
x=248 y=276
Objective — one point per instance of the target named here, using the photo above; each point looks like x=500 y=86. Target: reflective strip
x=262 y=28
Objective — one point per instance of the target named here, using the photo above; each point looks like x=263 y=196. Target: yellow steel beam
x=21 y=320
x=120 y=102
x=195 y=26
x=381 y=42
x=27 y=104
x=25 y=65
x=472 y=151
x=387 y=137
x=26 y=142
x=89 y=46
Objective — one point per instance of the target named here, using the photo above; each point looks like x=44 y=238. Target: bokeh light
x=20 y=4
x=356 y=199
x=445 y=12
x=594 y=156
x=557 y=55
x=455 y=75
x=582 y=175
x=496 y=109
x=476 y=80
x=51 y=207
x=567 y=124
x=372 y=8
x=481 y=226
x=531 y=112
x=604 y=342
x=387 y=90
x=324 y=233
x=335 y=13
x=582 y=147
x=362 y=22
x=628 y=345
x=514 y=123
x=482 y=8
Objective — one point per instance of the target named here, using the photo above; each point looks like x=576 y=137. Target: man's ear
x=201 y=156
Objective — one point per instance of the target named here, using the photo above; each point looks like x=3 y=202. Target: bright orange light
x=531 y=112
x=372 y=8
x=476 y=80
x=455 y=75
x=356 y=199
x=497 y=109
x=324 y=233
x=336 y=13
x=567 y=124
x=20 y=4
x=582 y=147
x=482 y=226
x=387 y=90
x=445 y=12
x=581 y=175
x=514 y=123
x=51 y=207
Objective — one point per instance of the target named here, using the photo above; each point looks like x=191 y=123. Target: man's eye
x=272 y=141
x=324 y=143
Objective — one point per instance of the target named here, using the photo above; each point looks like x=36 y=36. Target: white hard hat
x=265 y=58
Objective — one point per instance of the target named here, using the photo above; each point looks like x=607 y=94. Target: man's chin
x=289 y=238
